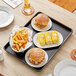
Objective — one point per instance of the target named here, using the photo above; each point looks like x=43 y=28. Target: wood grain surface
x=69 y=5
x=11 y=66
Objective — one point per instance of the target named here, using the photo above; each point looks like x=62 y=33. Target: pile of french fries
x=20 y=39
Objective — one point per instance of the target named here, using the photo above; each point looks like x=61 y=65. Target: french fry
x=21 y=36
x=20 y=39
x=22 y=30
x=20 y=44
x=17 y=47
x=16 y=38
x=15 y=42
x=24 y=46
x=14 y=48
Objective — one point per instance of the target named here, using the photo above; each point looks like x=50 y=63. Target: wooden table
x=11 y=66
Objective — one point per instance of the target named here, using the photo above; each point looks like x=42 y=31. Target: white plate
x=37 y=66
x=6 y=16
x=36 y=42
x=44 y=29
x=65 y=68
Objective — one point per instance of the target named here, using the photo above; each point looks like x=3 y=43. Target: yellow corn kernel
x=48 y=39
x=41 y=39
x=55 y=37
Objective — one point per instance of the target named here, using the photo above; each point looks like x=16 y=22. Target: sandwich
x=36 y=56
x=41 y=21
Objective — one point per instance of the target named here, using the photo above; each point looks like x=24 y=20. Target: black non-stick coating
x=64 y=30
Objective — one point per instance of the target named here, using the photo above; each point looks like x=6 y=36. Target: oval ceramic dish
x=36 y=42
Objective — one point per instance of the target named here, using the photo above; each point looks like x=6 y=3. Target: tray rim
x=51 y=19
x=71 y=31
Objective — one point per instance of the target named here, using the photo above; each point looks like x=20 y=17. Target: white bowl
x=29 y=44
x=33 y=65
x=36 y=42
x=44 y=29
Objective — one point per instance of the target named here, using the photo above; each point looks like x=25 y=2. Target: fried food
x=20 y=39
x=41 y=21
x=36 y=56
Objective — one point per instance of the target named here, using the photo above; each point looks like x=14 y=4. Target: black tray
x=64 y=30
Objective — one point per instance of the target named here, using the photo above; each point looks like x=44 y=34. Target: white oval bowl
x=36 y=42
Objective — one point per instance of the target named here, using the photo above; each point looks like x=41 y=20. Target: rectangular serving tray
x=64 y=30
